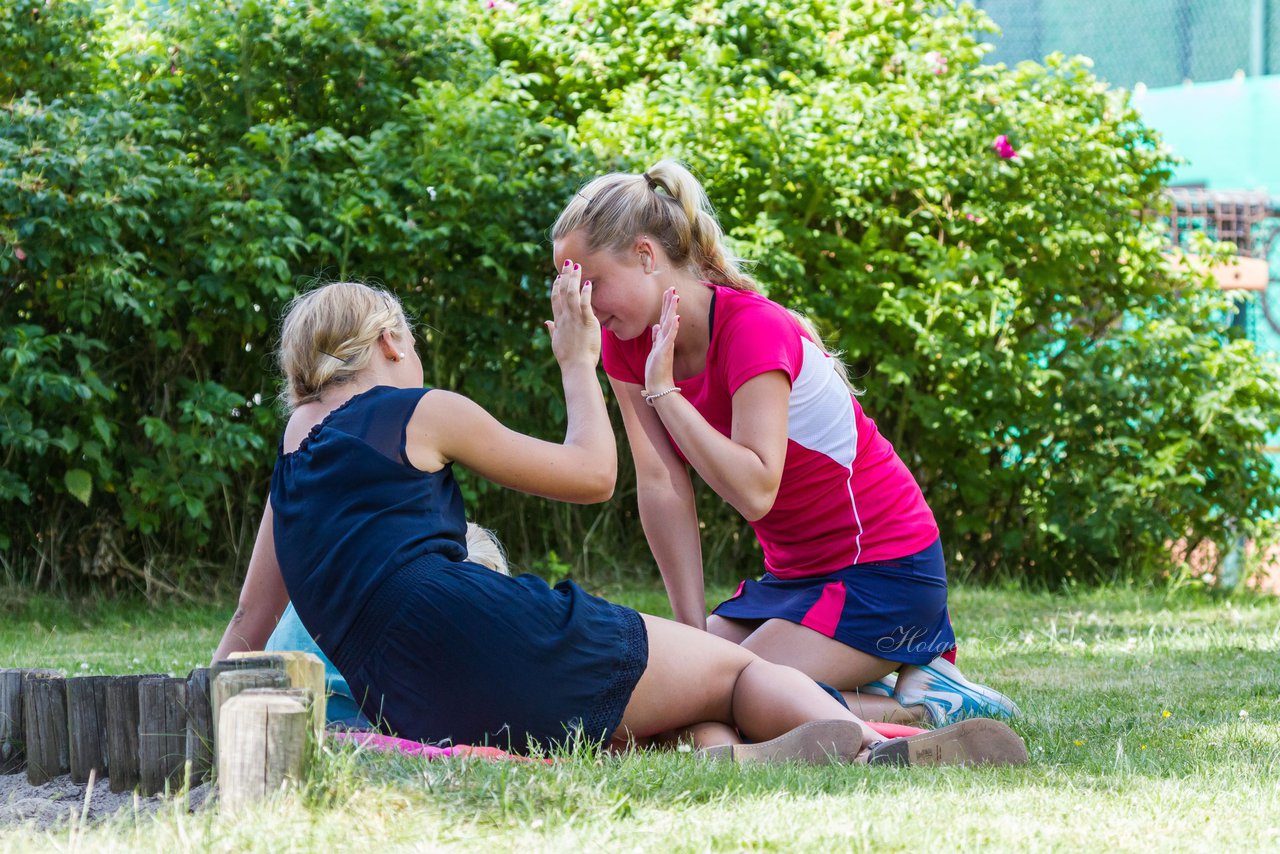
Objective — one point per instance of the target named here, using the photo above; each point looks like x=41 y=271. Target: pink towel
x=390 y=744
x=895 y=730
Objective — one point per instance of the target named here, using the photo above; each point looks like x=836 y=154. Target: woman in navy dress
x=364 y=532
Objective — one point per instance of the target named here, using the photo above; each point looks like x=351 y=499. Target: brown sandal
x=815 y=743
x=977 y=741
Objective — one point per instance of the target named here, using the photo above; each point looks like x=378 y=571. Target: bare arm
x=583 y=468
x=667 y=511
x=744 y=468
x=262 y=598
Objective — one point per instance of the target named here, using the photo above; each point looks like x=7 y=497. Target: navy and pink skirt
x=895 y=610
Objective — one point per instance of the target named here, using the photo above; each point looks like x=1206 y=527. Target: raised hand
x=575 y=332
x=659 y=370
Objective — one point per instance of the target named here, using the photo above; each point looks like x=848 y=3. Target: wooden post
x=263 y=747
x=87 y=726
x=44 y=713
x=305 y=696
x=305 y=670
x=122 y=731
x=199 y=725
x=162 y=732
x=232 y=682
x=259 y=662
x=13 y=736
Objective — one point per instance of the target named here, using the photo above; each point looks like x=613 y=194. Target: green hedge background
x=170 y=174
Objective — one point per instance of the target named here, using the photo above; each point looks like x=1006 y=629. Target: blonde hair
x=483 y=548
x=328 y=336
x=667 y=203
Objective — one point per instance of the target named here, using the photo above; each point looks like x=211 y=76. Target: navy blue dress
x=437 y=649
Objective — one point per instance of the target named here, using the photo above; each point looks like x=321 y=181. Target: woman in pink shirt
x=711 y=375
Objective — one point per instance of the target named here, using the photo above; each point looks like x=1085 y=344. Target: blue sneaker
x=882 y=687
x=948 y=696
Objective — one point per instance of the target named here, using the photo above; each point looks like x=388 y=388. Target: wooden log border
x=154 y=733
x=122 y=731
x=199 y=726
x=162 y=733
x=87 y=726
x=13 y=732
x=44 y=714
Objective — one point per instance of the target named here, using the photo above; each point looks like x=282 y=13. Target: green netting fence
x=1153 y=42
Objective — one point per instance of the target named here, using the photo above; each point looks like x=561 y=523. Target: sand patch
x=62 y=802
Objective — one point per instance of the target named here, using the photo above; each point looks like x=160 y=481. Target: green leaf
x=79 y=484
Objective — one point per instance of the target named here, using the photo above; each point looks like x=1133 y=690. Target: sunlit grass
x=1151 y=719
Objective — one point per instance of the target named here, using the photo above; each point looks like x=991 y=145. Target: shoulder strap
x=381 y=418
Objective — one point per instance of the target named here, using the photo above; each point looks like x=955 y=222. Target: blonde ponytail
x=328 y=337
x=707 y=248
x=484 y=548
x=667 y=203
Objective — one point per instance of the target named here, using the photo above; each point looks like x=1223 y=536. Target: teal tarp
x=1229 y=135
x=1228 y=132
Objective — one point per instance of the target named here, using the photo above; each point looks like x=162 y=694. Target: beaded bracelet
x=650 y=398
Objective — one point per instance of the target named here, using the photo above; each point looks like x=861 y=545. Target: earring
x=401 y=359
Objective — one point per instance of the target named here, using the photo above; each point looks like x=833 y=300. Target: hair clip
x=331 y=356
x=653 y=185
x=584 y=198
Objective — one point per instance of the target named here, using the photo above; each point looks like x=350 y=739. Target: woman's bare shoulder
x=301 y=420
x=437 y=418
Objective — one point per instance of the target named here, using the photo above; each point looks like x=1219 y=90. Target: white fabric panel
x=820 y=416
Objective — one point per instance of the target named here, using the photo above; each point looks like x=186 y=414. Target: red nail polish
x=576 y=268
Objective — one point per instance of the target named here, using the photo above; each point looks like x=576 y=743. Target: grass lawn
x=1153 y=722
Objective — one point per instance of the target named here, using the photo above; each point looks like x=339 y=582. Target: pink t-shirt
x=845 y=497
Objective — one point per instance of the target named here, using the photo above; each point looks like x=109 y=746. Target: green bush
x=49 y=48
x=1068 y=403
x=173 y=174
x=222 y=160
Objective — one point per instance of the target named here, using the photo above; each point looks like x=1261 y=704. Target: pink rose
x=1004 y=148
x=19 y=254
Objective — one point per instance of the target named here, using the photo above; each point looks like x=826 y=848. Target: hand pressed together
x=659 y=368
x=575 y=332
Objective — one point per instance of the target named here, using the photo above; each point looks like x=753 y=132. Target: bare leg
x=873 y=707
x=694 y=677
x=732 y=630
x=709 y=734
x=712 y=733
x=834 y=663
